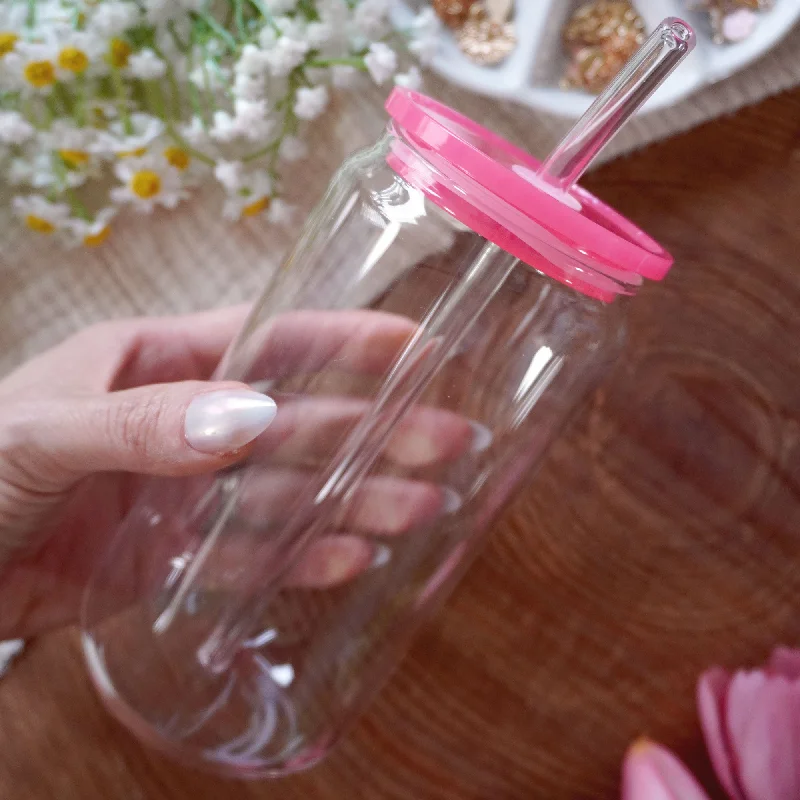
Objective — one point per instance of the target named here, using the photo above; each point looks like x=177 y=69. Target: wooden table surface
x=660 y=536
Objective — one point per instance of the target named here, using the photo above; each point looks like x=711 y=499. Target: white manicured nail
x=219 y=422
x=451 y=500
x=481 y=437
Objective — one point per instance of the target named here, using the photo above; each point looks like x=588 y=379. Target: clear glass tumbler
x=438 y=321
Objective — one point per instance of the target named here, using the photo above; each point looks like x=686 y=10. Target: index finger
x=302 y=342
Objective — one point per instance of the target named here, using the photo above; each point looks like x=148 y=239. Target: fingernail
x=219 y=422
x=451 y=500
x=381 y=556
x=481 y=437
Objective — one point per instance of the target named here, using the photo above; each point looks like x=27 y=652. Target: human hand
x=81 y=422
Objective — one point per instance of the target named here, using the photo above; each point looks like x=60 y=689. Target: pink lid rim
x=444 y=149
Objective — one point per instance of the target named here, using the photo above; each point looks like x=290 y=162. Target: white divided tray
x=532 y=73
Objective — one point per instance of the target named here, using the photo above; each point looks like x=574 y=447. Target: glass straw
x=649 y=67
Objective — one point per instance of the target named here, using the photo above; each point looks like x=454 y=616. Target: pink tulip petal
x=765 y=733
x=785 y=661
x=652 y=772
x=712 y=689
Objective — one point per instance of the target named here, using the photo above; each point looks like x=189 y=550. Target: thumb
x=164 y=429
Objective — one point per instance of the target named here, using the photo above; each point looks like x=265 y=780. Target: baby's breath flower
x=230 y=174
x=113 y=17
x=381 y=62
x=14 y=128
x=310 y=103
x=280 y=212
x=424 y=34
x=146 y=65
x=286 y=55
x=292 y=149
x=410 y=80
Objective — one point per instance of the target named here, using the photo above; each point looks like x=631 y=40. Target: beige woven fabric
x=191 y=258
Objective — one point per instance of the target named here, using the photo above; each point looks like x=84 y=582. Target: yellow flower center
x=118 y=53
x=73 y=60
x=177 y=157
x=139 y=151
x=146 y=184
x=40 y=74
x=95 y=239
x=38 y=224
x=7 y=42
x=256 y=207
x=74 y=158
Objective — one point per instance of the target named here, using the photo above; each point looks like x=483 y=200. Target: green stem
x=356 y=62
x=238 y=14
x=30 y=19
x=78 y=208
x=184 y=145
x=266 y=14
x=218 y=29
x=122 y=101
x=61 y=94
x=80 y=100
x=179 y=43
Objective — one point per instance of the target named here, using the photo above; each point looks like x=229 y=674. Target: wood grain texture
x=660 y=536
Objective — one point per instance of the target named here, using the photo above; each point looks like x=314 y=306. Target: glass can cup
x=438 y=321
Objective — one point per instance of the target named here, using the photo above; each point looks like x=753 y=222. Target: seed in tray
x=731 y=20
x=597 y=22
x=485 y=41
x=600 y=37
x=453 y=12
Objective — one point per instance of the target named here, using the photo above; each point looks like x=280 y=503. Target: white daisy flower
x=148 y=181
x=381 y=62
x=78 y=51
x=33 y=66
x=14 y=128
x=39 y=214
x=91 y=233
x=251 y=198
x=410 y=80
x=310 y=103
x=37 y=170
x=146 y=129
x=146 y=65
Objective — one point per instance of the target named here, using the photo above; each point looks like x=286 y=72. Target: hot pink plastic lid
x=488 y=184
